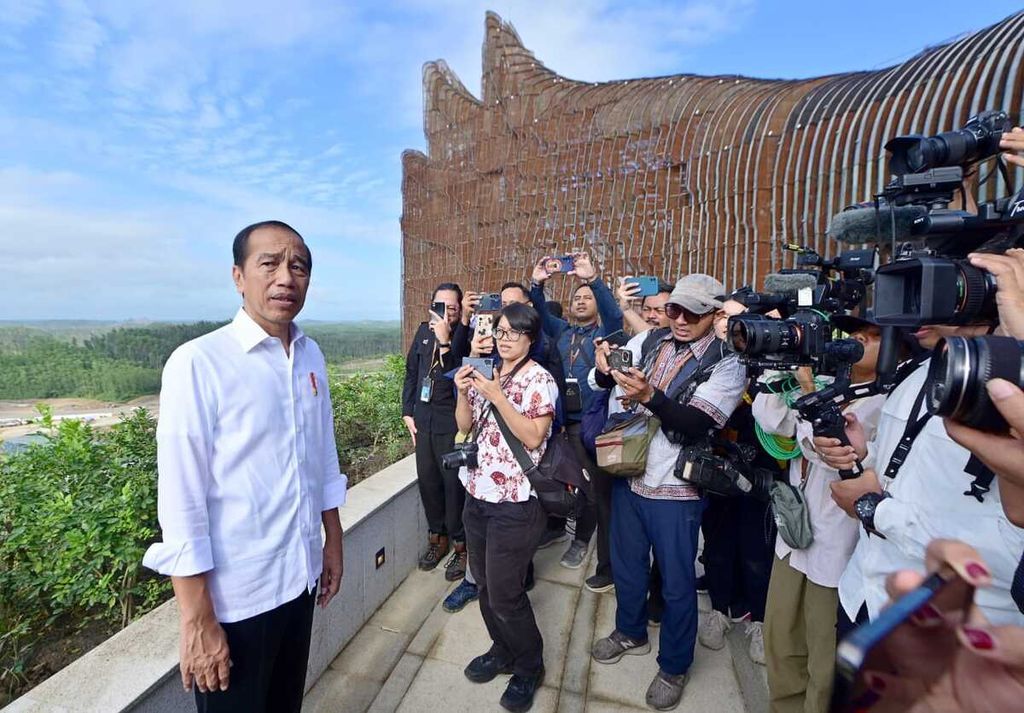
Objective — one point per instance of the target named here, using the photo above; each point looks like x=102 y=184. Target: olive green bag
x=623 y=444
x=792 y=517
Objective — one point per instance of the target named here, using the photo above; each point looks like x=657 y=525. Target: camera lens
x=755 y=334
x=976 y=294
x=959 y=370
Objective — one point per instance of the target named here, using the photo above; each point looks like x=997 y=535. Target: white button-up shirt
x=247 y=463
x=835 y=532
x=928 y=502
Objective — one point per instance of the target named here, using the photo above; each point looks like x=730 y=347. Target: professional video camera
x=929 y=280
x=806 y=298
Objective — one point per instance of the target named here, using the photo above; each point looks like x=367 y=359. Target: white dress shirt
x=928 y=502
x=247 y=463
x=835 y=532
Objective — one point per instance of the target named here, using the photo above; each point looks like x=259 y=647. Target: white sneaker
x=712 y=630
x=756 y=634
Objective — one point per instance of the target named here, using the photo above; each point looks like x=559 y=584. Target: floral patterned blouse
x=499 y=479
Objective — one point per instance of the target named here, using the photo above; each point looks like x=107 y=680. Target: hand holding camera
x=1012 y=144
x=1004 y=454
x=584 y=269
x=469 y=304
x=442 y=331
x=634 y=384
x=601 y=351
x=490 y=389
x=846 y=492
x=839 y=456
x=464 y=379
x=482 y=345
x=627 y=291
x=1008 y=269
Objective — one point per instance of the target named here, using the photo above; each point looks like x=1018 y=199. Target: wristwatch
x=865 y=507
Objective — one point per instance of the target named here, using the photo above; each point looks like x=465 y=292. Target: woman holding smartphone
x=504 y=520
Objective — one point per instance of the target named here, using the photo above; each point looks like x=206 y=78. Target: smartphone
x=489 y=302
x=438 y=310
x=484 y=325
x=618 y=338
x=620 y=359
x=872 y=646
x=648 y=285
x=484 y=365
x=565 y=263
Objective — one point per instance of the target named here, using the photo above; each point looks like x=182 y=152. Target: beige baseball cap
x=698 y=293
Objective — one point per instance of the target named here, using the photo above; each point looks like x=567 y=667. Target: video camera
x=929 y=280
x=724 y=468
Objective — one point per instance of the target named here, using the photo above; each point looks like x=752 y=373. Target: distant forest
x=117 y=363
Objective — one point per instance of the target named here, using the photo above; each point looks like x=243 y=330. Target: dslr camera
x=465 y=454
x=724 y=468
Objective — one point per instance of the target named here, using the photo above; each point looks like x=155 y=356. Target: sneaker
x=702 y=584
x=665 y=691
x=654 y=611
x=486 y=667
x=552 y=537
x=455 y=567
x=754 y=630
x=600 y=583
x=616 y=645
x=711 y=633
x=575 y=555
x=519 y=692
x=437 y=548
x=570 y=527
x=460 y=597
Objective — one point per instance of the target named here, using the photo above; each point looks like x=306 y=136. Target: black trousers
x=269 y=653
x=440 y=489
x=739 y=547
x=501 y=539
x=589 y=509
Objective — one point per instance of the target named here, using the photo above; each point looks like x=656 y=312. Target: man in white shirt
x=248 y=472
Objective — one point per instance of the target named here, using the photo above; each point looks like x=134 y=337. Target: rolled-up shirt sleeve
x=335 y=482
x=184 y=443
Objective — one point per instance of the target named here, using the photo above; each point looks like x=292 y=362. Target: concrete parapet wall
x=136 y=670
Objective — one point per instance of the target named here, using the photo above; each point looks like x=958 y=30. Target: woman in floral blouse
x=503 y=518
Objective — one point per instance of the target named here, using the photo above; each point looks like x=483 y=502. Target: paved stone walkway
x=410 y=655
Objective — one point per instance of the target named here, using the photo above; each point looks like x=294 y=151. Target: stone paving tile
x=397 y=685
x=712 y=684
x=441 y=686
x=546 y=565
x=465 y=636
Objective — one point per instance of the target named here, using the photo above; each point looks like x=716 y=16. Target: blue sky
x=137 y=137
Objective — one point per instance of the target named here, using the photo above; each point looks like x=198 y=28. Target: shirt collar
x=698 y=347
x=250 y=335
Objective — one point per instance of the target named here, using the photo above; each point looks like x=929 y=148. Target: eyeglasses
x=511 y=335
x=674 y=311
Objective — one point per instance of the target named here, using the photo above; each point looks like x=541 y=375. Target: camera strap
x=503 y=380
x=913 y=428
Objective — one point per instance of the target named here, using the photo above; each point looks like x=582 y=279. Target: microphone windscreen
x=862 y=225
x=789 y=283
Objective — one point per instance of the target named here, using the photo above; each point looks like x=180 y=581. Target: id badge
x=426 y=390
x=573 y=397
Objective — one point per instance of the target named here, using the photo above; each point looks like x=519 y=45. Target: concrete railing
x=136 y=670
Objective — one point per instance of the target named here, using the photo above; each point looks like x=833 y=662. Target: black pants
x=501 y=539
x=440 y=489
x=739 y=547
x=269 y=653
x=587 y=502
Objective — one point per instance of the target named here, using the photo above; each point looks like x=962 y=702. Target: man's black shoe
x=520 y=691
x=485 y=667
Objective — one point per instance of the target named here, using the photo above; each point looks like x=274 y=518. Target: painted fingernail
x=976 y=570
x=979 y=639
x=1000 y=389
x=875 y=683
x=927 y=616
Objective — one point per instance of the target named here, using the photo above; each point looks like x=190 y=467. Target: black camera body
x=977 y=140
x=465 y=454
x=724 y=468
x=765 y=343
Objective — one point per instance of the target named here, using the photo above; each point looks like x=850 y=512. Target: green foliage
x=76 y=516
x=125 y=362
x=368 y=426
